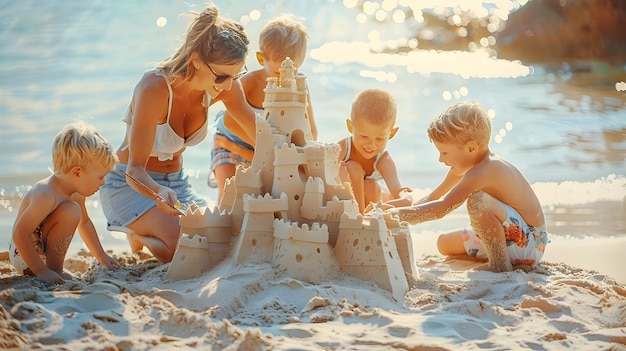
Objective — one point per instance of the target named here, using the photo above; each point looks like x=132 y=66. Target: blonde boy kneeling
x=54 y=207
x=504 y=211
x=364 y=159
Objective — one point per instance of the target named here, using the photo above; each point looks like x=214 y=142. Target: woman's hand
x=166 y=201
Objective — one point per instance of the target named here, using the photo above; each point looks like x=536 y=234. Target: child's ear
x=472 y=146
x=349 y=125
x=393 y=132
x=260 y=59
x=76 y=171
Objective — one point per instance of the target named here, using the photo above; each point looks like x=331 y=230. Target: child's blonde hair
x=461 y=123
x=283 y=37
x=79 y=144
x=375 y=106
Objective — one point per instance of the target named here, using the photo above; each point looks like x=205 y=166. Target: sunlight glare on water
x=475 y=64
x=478 y=62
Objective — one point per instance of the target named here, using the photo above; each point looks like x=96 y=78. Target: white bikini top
x=166 y=141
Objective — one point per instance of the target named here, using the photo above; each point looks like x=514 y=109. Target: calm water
x=81 y=59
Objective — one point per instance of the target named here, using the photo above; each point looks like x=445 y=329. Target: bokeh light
x=161 y=22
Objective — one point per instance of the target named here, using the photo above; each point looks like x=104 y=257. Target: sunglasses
x=221 y=78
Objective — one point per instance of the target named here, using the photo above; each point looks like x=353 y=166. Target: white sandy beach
x=575 y=299
x=564 y=303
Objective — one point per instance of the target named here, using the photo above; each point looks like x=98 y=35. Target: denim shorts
x=122 y=205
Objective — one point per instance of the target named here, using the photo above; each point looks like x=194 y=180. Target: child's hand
x=376 y=207
x=405 y=192
x=109 y=262
x=393 y=212
x=51 y=277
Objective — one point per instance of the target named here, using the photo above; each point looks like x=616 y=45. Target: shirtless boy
x=364 y=158
x=504 y=211
x=54 y=208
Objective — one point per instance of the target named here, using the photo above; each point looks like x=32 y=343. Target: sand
x=450 y=306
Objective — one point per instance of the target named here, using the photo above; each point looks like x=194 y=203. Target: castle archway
x=297 y=137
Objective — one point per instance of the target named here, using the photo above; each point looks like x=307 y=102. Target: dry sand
x=450 y=306
x=575 y=299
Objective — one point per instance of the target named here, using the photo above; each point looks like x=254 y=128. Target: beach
x=449 y=306
x=574 y=299
x=77 y=60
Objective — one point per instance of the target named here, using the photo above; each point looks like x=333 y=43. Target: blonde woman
x=168 y=113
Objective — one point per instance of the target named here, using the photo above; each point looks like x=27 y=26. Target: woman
x=167 y=113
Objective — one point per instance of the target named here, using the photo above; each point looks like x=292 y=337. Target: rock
x=555 y=31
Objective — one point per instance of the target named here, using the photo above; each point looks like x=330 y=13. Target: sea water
x=71 y=60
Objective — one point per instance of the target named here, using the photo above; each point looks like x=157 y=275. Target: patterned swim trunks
x=220 y=156
x=38 y=243
x=525 y=244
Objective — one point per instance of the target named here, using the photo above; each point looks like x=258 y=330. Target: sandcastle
x=288 y=208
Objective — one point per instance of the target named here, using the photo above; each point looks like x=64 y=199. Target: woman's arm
x=150 y=106
x=242 y=114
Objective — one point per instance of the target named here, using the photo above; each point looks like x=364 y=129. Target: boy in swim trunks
x=54 y=208
x=364 y=159
x=505 y=214
x=280 y=38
